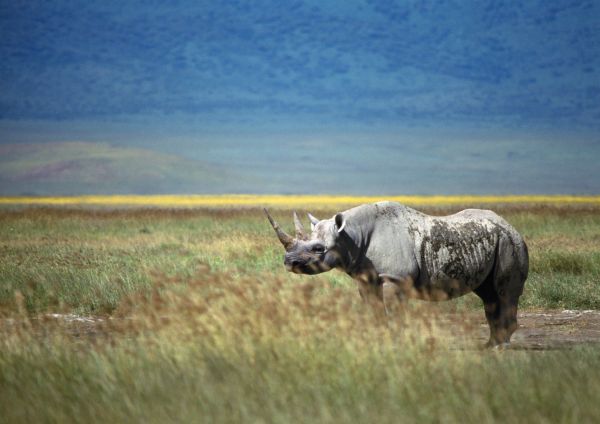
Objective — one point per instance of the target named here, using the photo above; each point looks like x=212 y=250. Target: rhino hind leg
x=501 y=290
x=500 y=312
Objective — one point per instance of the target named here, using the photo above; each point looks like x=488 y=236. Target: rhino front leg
x=369 y=292
x=395 y=291
x=392 y=295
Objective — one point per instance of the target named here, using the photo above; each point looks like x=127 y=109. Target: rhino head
x=318 y=252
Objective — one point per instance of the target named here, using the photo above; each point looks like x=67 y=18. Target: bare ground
x=546 y=330
x=538 y=331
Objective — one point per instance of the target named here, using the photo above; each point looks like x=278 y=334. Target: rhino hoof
x=497 y=346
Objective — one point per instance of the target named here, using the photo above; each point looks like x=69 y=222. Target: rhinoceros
x=394 y=252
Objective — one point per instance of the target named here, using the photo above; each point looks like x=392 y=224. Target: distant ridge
x=77 y=168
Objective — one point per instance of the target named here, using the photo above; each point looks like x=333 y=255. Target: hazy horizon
x=359 y=97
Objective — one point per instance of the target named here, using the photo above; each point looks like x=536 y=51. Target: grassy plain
x=191 y=317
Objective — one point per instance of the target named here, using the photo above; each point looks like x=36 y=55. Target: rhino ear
x=340 y=222
x=313 y=221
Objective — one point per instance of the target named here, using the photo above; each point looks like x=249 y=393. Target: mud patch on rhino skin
x=455 y=270
x=385 y=211
x=458 y=251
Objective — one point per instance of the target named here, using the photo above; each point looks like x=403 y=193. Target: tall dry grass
x=209 y=349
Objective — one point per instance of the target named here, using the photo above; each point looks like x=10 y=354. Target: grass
x=196 y=320
x=212 y=349
x=87 y=260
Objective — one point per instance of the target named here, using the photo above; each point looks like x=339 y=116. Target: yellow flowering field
x=284 y=201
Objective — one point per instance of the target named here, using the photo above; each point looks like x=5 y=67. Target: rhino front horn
x=284 y=238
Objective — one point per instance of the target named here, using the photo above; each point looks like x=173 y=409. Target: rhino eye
x=318 y=248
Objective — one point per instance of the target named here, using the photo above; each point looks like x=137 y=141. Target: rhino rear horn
x=299 y=227
x=313 y=221
x=285 y=239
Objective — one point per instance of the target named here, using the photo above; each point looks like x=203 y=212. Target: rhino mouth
x=306 y=268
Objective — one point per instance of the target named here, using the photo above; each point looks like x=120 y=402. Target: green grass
x=88 y=260
x=200 y=322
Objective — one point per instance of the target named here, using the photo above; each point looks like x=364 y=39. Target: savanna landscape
x=141 y=144
x=179 y=309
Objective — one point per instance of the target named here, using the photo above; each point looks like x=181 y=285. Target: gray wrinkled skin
x=395 y=252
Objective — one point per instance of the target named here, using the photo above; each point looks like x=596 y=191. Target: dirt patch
x=544 y=330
